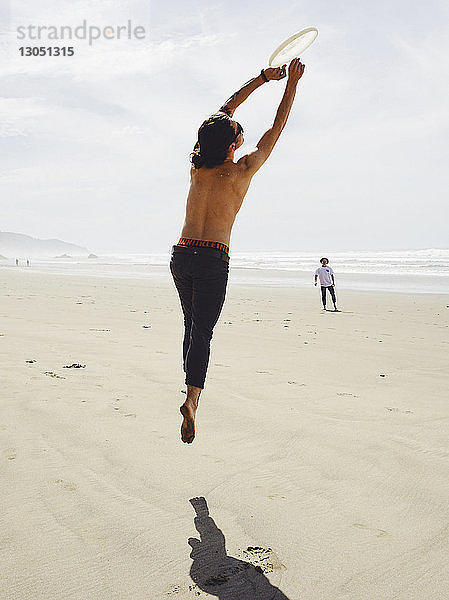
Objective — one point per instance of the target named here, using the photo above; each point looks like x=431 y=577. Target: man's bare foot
x=188 y=411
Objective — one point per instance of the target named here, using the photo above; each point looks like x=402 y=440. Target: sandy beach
x=322 y=451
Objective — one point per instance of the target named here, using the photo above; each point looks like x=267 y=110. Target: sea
x=407 y=271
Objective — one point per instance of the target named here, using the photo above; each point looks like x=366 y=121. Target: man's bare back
x=214 y=199
x=216 y=194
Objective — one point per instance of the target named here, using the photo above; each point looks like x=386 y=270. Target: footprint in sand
x=214 y=458
x=66 y=485
x=51 y=374
x=193 y=589
x=11 y=454
x=175 y=590
x=264 y=559
x=379 y=532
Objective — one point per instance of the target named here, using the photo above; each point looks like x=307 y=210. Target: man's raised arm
x=248 y=88
x=255 y=160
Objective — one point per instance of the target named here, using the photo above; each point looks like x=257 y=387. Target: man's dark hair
x=215 y=136
x=324 y=258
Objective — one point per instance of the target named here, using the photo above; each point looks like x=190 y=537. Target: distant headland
x=14 y=245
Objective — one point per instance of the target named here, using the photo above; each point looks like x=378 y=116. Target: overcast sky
x=95 y=147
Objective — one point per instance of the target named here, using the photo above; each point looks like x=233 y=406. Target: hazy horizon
x=268 y=249
x=96 y=146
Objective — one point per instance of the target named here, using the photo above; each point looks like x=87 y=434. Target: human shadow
x=221 y=575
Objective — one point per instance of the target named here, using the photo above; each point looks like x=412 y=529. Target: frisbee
x=293 y=47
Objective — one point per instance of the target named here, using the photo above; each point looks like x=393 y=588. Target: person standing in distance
x=327 y=282
x=199 y=261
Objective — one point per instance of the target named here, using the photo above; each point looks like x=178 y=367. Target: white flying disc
x=293 y=47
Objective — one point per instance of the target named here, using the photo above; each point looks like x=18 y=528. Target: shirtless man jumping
x=200 y=261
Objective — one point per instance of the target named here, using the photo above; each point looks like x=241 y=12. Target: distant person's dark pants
x=331 y=292
x=200 y=276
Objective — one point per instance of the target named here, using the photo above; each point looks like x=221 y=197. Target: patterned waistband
x=203 y=244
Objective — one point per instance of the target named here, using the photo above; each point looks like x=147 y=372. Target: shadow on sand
x=221 y=575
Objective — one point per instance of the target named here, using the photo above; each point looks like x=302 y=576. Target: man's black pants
x=331 y=292
x=200 y=276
